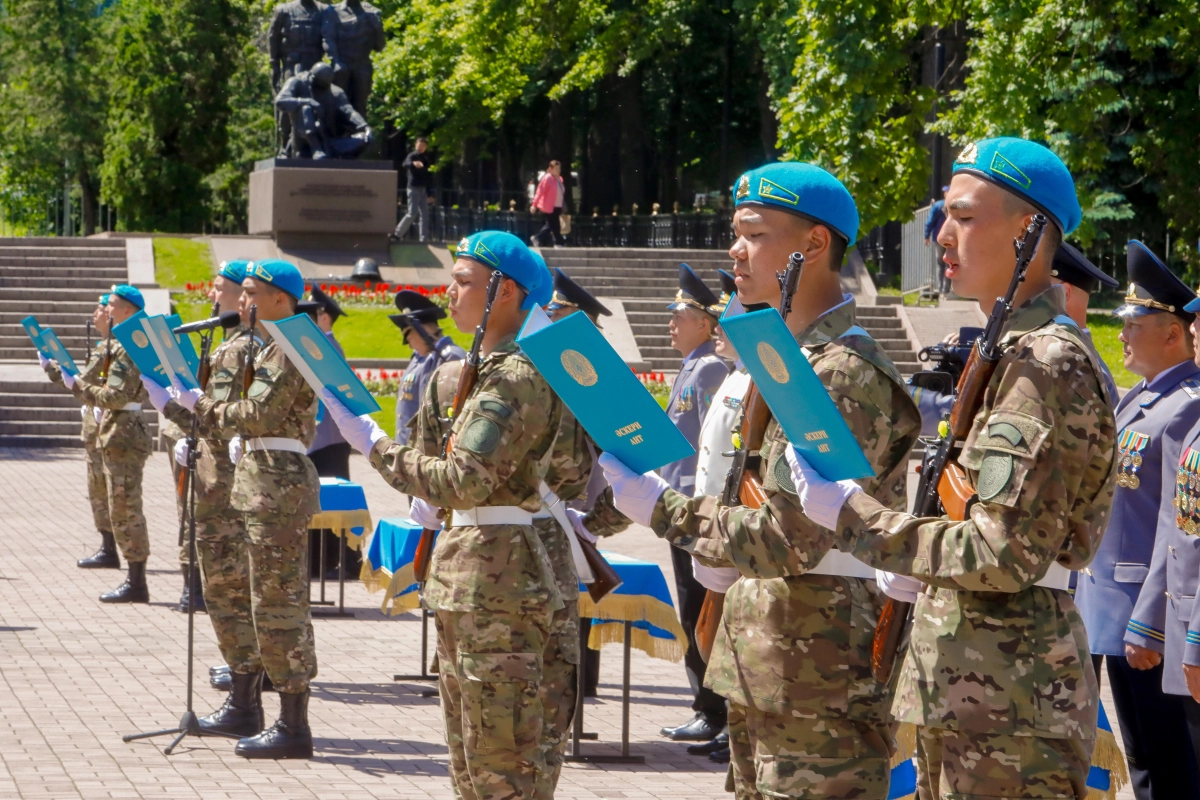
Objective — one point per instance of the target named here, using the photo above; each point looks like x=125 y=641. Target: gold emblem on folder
x=773 y=362
x=311 y=347
x=140 y=339
x=578 y=367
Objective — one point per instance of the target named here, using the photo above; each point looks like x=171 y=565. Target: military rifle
x=107 y=349
x=88 y=339
x=466 y=384
x=202 y=379
x=943 y=485
x=248 y=375
x=742 y=486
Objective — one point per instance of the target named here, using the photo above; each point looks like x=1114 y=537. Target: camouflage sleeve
x=570 y=463
x=267 y=404
x=1047 y=433
x=604 y=519
x=777 y=540
x=122 y=386
x=500 y=424
x=54 y=373
x=439 y=394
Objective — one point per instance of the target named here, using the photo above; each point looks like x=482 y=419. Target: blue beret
x=129 y=293
x=507 y=253
x=1028 y=170
x=102 y=300
x=281 y=274
x=802 y=189
x=233 y=270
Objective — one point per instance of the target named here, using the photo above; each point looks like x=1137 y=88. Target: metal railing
x=918 y=263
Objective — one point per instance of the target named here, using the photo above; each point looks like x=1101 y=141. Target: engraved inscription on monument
x=311 y=201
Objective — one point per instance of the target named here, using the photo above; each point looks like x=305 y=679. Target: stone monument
x=293 y=45
x=352 y=30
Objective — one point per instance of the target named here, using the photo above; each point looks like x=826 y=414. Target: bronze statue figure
x=294 y=45
x=321 y=120
x=352 y=30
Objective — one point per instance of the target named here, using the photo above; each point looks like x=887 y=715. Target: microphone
x=226 y=320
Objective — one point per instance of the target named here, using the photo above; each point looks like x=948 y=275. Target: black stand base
x=340 y=611
x=578 y=734
x=425 y=675
x=189 y=725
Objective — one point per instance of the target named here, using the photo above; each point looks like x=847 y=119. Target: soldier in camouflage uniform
x=276 y=489
x=106 y=557
x=997 y=674
x=124 y=445
x=792 y=655
x=490 y=582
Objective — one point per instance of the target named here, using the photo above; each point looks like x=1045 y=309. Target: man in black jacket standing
x=417 y=167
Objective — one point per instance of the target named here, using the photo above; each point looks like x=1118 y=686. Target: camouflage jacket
x=280 y=404
x=122 y=432
x=791 y=642
x=500 y=438
x=90 y=373
x=214 y=471
x=990 y=652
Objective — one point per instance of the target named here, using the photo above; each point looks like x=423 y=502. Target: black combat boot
x=289 y=737
x=192 y=588
x=242 y=713
x=133 y=590
x=105 y=558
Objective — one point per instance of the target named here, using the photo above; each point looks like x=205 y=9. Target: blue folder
x=185 y=344
x=34 y=330
x=320 y=364
x=133 y=338
x=601 y=390
x=166 y=347
x=795 y=394
x=58 y=352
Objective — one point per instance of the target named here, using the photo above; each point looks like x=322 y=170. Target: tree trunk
x=633 y=151
x=87 y=199
x=559 y=144
x=768 y=123
x=602 y=180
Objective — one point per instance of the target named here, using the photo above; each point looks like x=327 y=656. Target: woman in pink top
x=549 y=200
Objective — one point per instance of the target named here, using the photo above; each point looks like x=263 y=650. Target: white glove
x=424 y=513
x=821 y=500
x=97 y=413
x=715 y=579
x=576 y=516
x=235 y=450
x=181 y=452
x=68 y=379
x=83 y=412
x=159 y=397
x=634 y=495
x=185 y=397
x=361 y=432
x=45 y=362
x=899 y=587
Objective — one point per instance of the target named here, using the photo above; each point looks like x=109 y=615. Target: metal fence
x=918 y=263
x=683 y=231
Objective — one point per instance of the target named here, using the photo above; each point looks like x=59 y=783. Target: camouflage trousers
x=123 y=477
x=776 y=755
x=560 y=672
x=180 y=502
x=224 y=553
x=98 y=490
x=953 y=765
x=491 y=668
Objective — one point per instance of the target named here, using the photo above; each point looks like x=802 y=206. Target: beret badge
x=968 y=156
x=743 y=187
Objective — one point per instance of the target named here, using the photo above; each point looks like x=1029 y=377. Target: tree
x=169 y=108
x=52 y=105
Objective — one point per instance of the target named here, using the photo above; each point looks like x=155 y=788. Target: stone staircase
x=58 y=280
x=645 y=280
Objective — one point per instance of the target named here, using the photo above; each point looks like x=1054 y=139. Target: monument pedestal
x=324 y=205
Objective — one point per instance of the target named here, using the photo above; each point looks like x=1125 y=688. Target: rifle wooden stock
x=893 y=619
x=423 y=555
x=606 y=578
x=709 y=622
x=971 y=387
x=955 y=492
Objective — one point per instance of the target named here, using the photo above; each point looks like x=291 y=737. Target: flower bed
x=347 y=295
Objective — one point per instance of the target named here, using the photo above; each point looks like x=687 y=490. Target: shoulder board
x=710 y=358
x=1192 y=387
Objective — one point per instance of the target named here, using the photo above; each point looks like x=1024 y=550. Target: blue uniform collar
x=1164 y=383
x=707 y=349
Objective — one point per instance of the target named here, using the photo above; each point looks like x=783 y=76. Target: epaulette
x=1192 y=387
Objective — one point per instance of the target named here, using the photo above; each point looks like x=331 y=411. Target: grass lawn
x=368 y=333
x=1104 y=328
x=386 y=417
x=178 y=262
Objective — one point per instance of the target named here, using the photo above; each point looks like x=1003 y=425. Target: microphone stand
x=189 y=723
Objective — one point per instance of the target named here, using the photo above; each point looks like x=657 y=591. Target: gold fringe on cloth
x=1107 y=755
x=342 y=523
x=906 y=743
x=635 y=608
x=381 y=580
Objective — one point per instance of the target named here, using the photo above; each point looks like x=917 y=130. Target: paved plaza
x=75 y=675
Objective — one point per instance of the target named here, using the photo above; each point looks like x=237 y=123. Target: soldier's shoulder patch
x=493 y=405
x=1192 y=387
x=264 y=377
x=481 y=436
x=783 y=476
x=994 y=474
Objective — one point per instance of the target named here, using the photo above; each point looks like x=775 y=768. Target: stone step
x=65 y=427
x=41 y=441
x=53 y=263
x=52 y=318
x=607 y=253
x=44 y=278
x=18 y=294
x=25 y=307
x=27 y=400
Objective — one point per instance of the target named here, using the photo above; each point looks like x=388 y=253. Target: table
x=344 y=511
x=640 y=614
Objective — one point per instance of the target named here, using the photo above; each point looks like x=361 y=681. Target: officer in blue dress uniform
x=694 y=315
x=1121 y=594
x=419 y=314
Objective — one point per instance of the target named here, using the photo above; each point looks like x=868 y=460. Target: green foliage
x=1104 y=329
x=190 y=312
x=170 y=68
x=178 y=262
x=845 y=80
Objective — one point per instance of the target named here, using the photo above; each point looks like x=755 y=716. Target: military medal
x=1186 y=500
x=1129 y=457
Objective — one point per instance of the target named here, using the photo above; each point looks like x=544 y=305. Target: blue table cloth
x=343 y=510
x=388 y=564
x=642 y=599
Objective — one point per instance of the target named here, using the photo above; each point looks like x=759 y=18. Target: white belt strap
x=1059 y=577
x=274 y=443
x=842 y=565
x=131 y=407
x=552 y=502
x=490 y=515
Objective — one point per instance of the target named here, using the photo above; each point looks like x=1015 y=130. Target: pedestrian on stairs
x=549 y=199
